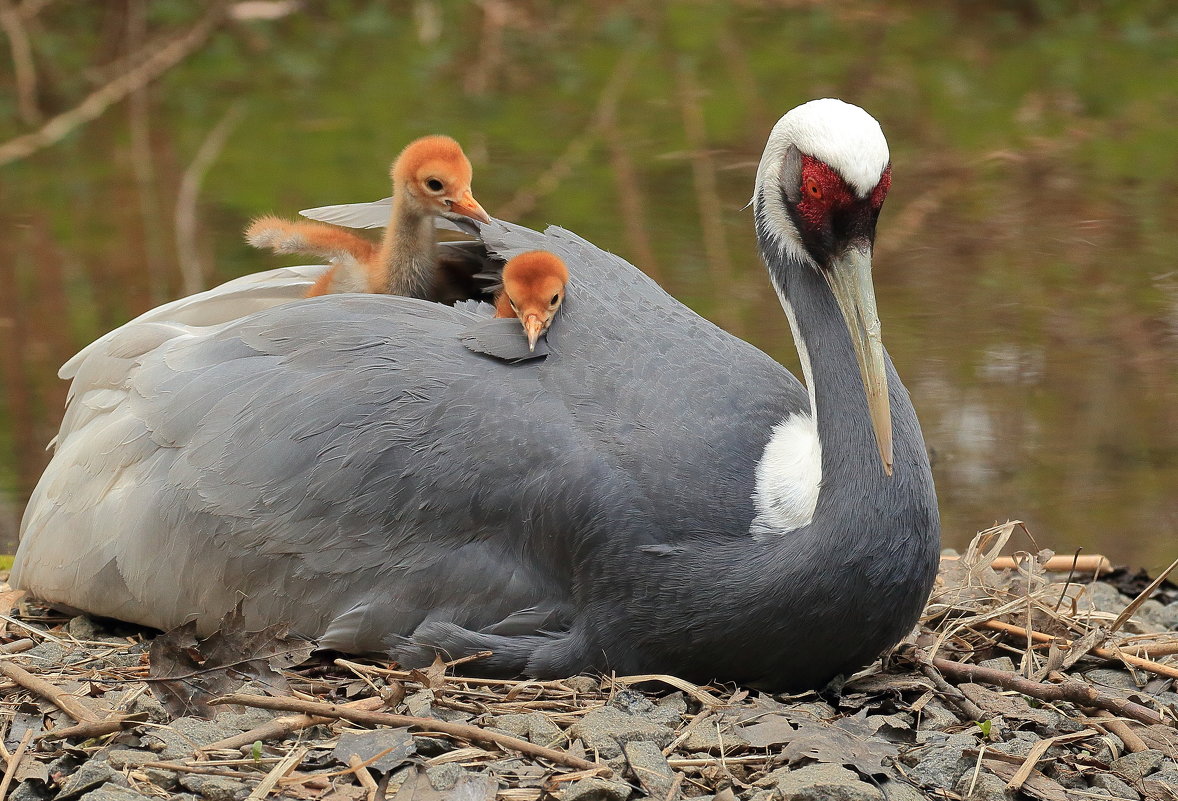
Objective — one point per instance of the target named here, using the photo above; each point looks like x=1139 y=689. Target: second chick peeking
x=533 y=289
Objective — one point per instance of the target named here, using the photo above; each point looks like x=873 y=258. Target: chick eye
x=555 y=300
x=434 y=185
x=812 y=189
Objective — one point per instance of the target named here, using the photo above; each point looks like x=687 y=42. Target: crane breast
x=789 y=476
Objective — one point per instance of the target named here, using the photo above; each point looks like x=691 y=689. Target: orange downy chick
x=431 y=178
x=533 y=289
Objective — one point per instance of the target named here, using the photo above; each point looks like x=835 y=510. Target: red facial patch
x=822 y=191
x=881 y=189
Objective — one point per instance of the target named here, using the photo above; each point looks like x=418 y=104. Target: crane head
x=435 y=173
x=533 y=289
x=821 y=184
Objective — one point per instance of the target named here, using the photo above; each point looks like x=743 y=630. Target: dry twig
x=63 y=701
x=13 y=763
x=1070 y=690
x=461 y=730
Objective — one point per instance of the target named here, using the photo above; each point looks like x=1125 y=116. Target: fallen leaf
x=768 y=731
x=395 y=745
x=416 y=787
x=186 y=672
x=1160 y=736
x=432 y=677
x=21 y=722
x=847 y=741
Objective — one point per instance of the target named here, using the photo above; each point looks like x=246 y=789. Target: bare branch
x=189 y=192
x=103 y=98
x=12 y=21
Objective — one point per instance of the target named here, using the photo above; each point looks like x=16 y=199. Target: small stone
x=1154 y=612
x=1001 y=663
x=186 y=735
x=1135 y=767
x=164 y=779
x=433 y=746
x=214 y=788
x=154 y=709
x=895 y=790
x=1102 y=752
x=987 y=787
x=935 y=716
x=594 y=789
x=420 y=704
x=515 y=725
x=45 y=653
x=110 y=792
x=443 y=777
x=1105 y=597
x=1107 y=781
x=543 y=731
x=942 y=766
x=123 y=758
x=83 y=628
x=1068 y=777
x=1168 y=617
x=669 y=710
x=631 y=702
x=31 y=790
x=1111 y=677
x=821 y=783
x=1161 y=782
x=582 y=684
x=713 y=740
x=605 y=730
x=650 y=768
x=90 y=775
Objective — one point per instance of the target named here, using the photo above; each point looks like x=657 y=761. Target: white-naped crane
x=653 y=496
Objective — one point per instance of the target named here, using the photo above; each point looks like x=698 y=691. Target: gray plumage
x=376 y=215
x=347 y=465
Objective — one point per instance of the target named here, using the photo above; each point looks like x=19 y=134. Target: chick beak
x=534 y=326
x=467 y=206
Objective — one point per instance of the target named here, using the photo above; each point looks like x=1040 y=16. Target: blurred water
x=1024 y=264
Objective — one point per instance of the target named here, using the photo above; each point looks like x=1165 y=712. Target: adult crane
x=655 y=495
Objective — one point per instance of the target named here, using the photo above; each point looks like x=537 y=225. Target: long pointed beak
x=849 y=278
x=467 y=206
x=533 y=327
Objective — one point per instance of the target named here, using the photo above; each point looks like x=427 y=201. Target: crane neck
x=409 y=252
x=838 y=401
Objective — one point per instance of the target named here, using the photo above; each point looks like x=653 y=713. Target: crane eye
x=813 y=189
x=555 y=300
x=434 y=185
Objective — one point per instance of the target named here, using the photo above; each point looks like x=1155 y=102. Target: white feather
x=789 y=476
x=844 y=137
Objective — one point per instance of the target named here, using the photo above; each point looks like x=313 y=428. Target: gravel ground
x=917 y=725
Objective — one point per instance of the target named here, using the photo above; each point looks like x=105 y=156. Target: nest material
x=1018 y=681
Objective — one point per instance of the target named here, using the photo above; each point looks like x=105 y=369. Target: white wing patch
x=789 y=476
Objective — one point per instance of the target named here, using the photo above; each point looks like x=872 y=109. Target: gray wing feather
x=503 y=339
x=376 y=215
x=347 y=465
x=353 y=215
